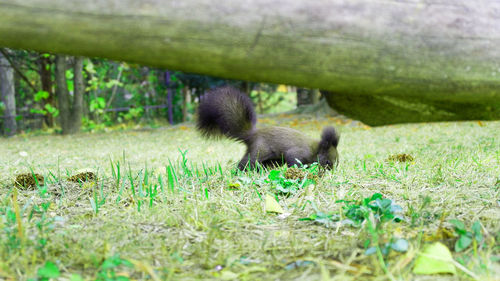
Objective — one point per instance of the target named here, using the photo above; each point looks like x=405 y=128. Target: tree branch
x=7 y=57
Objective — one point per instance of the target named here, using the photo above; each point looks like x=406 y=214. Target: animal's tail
x=329 y=138
x=226 y=111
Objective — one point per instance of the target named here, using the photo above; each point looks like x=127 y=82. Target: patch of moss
x=299 y=174
x=28 y=180
x=401 y=158
x=83 y=177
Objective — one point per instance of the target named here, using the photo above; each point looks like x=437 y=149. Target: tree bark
x=185 y=102
x=70 y=108
x=79 y=89
x=426 y=58
x=62 y=93
x=7 y=92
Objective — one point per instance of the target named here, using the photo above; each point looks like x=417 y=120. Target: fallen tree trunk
x=417 y=60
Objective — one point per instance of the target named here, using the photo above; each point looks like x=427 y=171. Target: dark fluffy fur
x=226 y=111
x=229 y=112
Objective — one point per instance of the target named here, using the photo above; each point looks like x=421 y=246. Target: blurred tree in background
x=8 y=102
x=68 y=94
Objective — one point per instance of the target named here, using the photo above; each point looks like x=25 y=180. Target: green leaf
x=49 y=270
x=97 y=103
x=322 y=218
x=69 y=74
x=371 y=251
x=299 y=263
x=462 y=243
x=476 y=230
x=52 y=110
x=434 y=259
x=272 y=205
x=75 y=277
x=375 y=196
x=112 y=83
x=459 y=226
x=401 y=245
x=101 y=102
x=41 y=95
x=228 y=275
x=71 y=85
x=274 y=175
x=38 y=111
x=89 y=67
x=115 y=261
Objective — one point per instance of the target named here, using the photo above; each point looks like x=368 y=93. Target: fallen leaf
x=401 y=245
x=435 y=258
x=440 y=234
x=272 y=205
x=146 y=268
x=228 y=275
x=298 y=263
x=284 y=216
x=75 y=277
x=234 y=185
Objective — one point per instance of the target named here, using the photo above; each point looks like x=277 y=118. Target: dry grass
x=201 y=227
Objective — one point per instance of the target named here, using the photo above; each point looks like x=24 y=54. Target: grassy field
x=170 y=206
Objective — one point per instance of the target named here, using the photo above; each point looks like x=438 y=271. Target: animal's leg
x=296 y=156
x=245 y=161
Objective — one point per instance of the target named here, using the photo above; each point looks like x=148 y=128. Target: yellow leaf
x=282 y=89
x=146 y=268
x=88 y=184
x=435 y=258
x=272 y=205
x=123 y=274
x=228 y=275
x=234 y=185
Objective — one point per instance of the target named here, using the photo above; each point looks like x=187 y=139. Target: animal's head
x=327 y=148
